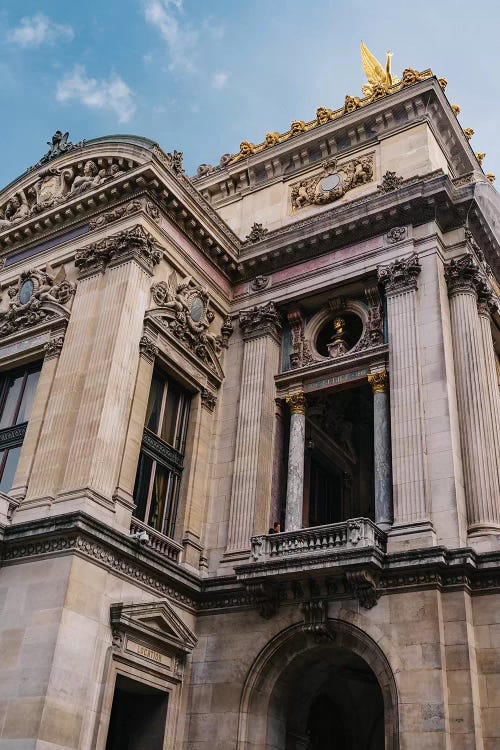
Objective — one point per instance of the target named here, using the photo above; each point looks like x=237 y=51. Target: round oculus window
x=26 y=292
x=329 y=183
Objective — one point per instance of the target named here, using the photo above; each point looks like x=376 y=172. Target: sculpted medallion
x=334 y=182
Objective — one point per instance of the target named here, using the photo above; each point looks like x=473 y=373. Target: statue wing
x=371 y=66
x=63 y=142
x=60 y=276
x=172 y=283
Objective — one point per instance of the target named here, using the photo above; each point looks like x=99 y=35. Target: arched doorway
x=304 y=695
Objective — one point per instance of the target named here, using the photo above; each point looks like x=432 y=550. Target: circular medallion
x=26 y=291
x=329 y=183
x=197 y=309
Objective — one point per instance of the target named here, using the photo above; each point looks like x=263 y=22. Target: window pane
x=154 y=403
x=169 y=426
x=10 y=398
x=9 y=467
x=158 y=497
x=142 y=481
x=171 y=509
x=28 y=397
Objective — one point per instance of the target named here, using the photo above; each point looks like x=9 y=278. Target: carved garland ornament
x=29 y=298
x=334 y=182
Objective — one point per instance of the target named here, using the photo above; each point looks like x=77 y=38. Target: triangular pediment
x=154 y=622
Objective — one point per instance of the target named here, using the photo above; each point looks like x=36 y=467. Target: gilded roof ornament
x=480 y=157
x=378 y=77
x=468 y=132
x=455 y=109
x=491 y=177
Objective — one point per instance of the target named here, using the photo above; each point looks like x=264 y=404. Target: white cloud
x=107 y=94
x=181 y=40
x=38 y=29
x=219 y=80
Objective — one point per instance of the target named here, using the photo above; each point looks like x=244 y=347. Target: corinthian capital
x=296 y=402
x=260 y=321
x=462 y=276
x=130 y=244
x=400 y=276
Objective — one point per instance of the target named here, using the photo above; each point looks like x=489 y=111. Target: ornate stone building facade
x=306 y=334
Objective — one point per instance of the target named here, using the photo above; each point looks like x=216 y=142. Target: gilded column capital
x=296 y=402
x=379 y=381
x=462 y=276
x=400 y=276
x=263 y=320
x=130 y=244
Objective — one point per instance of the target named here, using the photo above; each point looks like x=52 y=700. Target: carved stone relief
x=185 y=309
x=30 y=298
x=334 y=182
x=134 y=242
x=52 y=187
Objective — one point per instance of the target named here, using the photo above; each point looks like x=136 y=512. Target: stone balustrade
x=351 y=534
x=157 y=542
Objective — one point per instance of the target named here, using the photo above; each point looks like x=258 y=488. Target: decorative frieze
x=53 y=347
x=30 y=298
x=117 y=213
x=134 y=243
x=334 y=182
x=260 y=321
x=400 y=276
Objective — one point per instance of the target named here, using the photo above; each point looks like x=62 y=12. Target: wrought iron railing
x=351 y=534
x=156 y=541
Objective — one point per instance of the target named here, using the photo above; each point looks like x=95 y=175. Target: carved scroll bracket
x=363 y=585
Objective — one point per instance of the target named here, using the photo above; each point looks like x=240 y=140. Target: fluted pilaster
x=476 y=422
x=252 y=478
x=407 y=420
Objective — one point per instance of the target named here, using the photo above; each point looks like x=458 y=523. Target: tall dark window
x=161 y=461
x=17 y=392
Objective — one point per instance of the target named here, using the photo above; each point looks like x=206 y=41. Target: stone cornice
x=79 y=534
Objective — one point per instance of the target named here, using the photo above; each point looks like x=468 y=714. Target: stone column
x=252 y=477
x=485 y=307
x=410 y=491
x=381 y=449
x=295 y=484
x=481 y=479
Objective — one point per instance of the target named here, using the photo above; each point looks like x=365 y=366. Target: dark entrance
x=138 y=716
x=339 y=479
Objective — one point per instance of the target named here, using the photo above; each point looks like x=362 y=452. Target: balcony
x=352 y=534
x=156 y=541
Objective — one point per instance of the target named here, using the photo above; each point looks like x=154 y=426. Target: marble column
x=481 y=479
x=295 y=483
x=253 y=466
x=409 y=466
x=381 y=449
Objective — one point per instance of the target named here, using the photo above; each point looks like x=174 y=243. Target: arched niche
x=326 y=315
x=289 y=675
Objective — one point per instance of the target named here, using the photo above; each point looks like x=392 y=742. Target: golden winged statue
x=377 y=76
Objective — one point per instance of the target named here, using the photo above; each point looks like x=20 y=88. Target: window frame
x=13 y=435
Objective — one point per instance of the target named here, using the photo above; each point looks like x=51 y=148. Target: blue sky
x=202 y=75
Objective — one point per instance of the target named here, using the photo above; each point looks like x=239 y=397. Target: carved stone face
x=322 y=115
x=15 y=202
x=409 y=77
x=271 y=139
x=246 y=148
x=297 y=127
x=89 y=169
x=350 y=104
x=379 y=90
